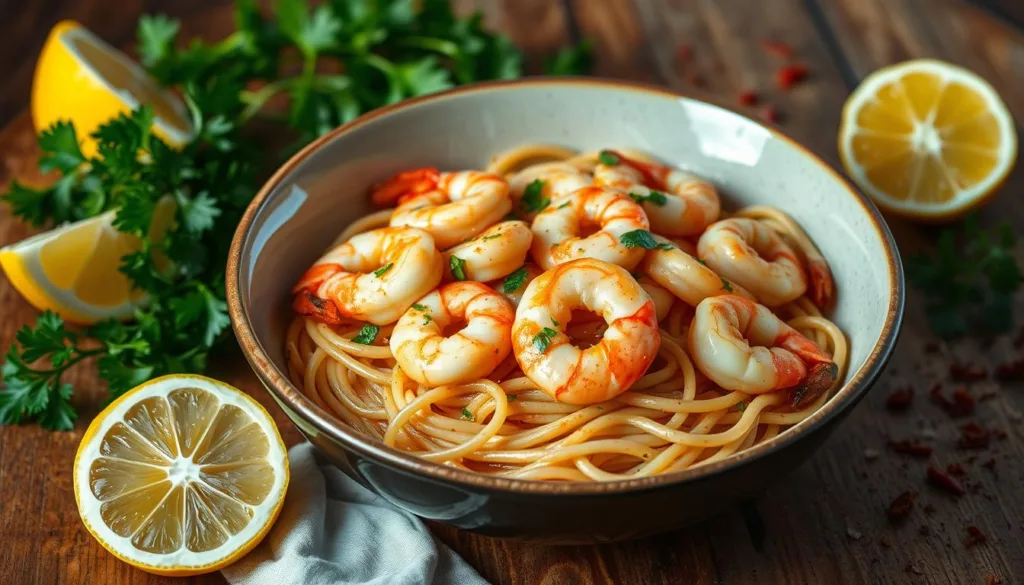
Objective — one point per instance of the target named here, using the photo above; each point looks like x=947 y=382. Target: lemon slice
x=73 y=269
x=181 y=475
x=81 y=78
x=926 y=139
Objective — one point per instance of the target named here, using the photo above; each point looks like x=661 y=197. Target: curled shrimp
x=432 y=358
x=755 y=256
x=743 y=346
x=514 y=285
x=459 y=206
x=662 y=298
x=374 y=276
x=404 y=185
x=602 y=371
x=688 y=203
x=557 y=230
x=497 y=252
x=556 y=180
x=686 y=276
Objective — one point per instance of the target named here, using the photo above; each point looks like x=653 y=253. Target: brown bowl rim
x=325 y=423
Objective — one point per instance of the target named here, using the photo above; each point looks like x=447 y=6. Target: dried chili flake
x=747 y=98
x=1011 y=371
x=962 y=403
x=955 y=469
x=900 y=507
x=900 y=398
x=777 y=48
x=974 y=536
x=911 y=447
x=993 y=580
x=924 y=530
x=791 y=75
x=944 y=482
x=684 y=53
x=967 y=373
x=769 y=114
x=974 y=436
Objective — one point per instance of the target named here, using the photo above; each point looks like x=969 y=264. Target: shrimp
x=557 y=181
x=752 y=254
x=556 y=230
x=743 y=346
x=547 y=355
x=688 y=203
x=514 y=285
x=404 y=185
x=458 y=207
x=495 y=253
x=432 y=358
x=662 y=297
x=686 y=276
x=374 y=277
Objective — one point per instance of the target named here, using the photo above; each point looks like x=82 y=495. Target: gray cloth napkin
x=332 y=530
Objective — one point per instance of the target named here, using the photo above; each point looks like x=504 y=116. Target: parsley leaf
x=726 y=285
x=514 y=281
x=543 y=339
x=654 y=197
x=383 y=269
x=367 y=334
x=607 y=157
x=419 y=307
x=665 y=246
x=60 y=150
x=491 y=237
x=466 y=414
x=638 y=239
x=571 y=60
x=513 y=397
x=533 y=197
x=458 y=267
x=741 y=405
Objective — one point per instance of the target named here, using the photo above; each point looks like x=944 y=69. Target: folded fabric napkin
x=332 y=530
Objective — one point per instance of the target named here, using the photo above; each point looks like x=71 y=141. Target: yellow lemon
x=73 y=269
x=926 y=139
x=181 y=475
x=81 y=78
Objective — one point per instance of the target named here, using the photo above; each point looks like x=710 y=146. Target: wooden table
x=826 y=523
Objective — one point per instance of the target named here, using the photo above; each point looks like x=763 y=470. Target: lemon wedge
x=181 y=475
x=926 y=139
x=81 y=78
x=72 y=270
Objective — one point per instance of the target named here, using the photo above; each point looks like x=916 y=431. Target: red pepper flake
x=975 y=536
x=900 y=399
x=932 y=347
x=911 y=447
x=962 y=403
x=1011 y=371
x=993 y=580
x=747 y=98
x=944 y=482
x=695 y=80
x=956 y=469
x=974 y=436
x=900 y=508
x=791 y=75
x=777 y=48
x=684 y=53
x=965 y=373
x=768 y=113
x=924 y=530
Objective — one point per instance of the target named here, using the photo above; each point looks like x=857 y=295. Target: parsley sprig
x=324 y=65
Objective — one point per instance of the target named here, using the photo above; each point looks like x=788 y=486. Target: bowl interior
x=325 y=188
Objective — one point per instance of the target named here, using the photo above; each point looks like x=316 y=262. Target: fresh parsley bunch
x=330 y=64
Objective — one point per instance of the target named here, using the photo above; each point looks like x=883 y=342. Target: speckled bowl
x=319 y=191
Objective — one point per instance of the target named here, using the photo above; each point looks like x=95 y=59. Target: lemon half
x=926 y=139
x=81 y=78
x=181 y=475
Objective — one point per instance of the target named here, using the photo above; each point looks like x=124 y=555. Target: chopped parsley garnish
x=533 y=197
x=543 y=339
x=427 y=318
x=656 y=197
x=726 y=285
x=554 y=322
x=741 y=405
x=701 y=261
x=419 y=307
x=638 y=239
x=466 y=414
x=383 y=269
x=367 y=334
x=458 y=267
x=607 y=157
x=514 y=281
x=491 y=237
x=665 y=246
x=564 y=205
x=513 y=397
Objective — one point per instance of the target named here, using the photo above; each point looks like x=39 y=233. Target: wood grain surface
x=826 y=522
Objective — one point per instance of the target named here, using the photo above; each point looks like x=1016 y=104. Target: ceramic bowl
x=318 y=192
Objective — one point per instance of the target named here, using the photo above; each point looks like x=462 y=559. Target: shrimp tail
x=654 y=176
x=404 y=185
x=819 y=379
x=318 y=308
x=315 y=276
x=821 y=284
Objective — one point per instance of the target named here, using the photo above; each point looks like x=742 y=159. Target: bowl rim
x=289 y=396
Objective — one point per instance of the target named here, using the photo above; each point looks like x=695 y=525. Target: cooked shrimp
x=743 y=346
x=404 y=185
x=600 y=372
x=752 y=254
x=687 y=277
x=557 y=181
x=689 y=203
x=461 y=204
x=374 y=277
x=495 y=253
x=514 y=285
x=432 y=358
x=557 y=229
x=662 y=298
